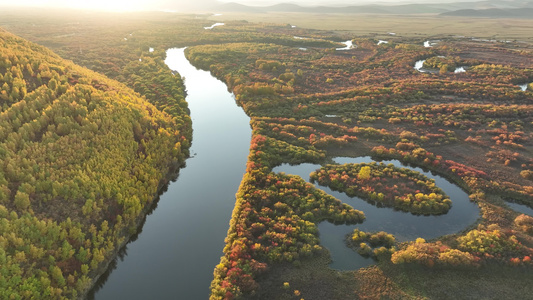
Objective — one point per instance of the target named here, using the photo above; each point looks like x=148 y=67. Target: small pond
x=524 y=86
x=349 y=45
x=459 y=70
x=419 y=66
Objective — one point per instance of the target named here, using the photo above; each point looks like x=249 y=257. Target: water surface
x=459 y=70
x=419 y=64
x=523 y=87
x=349 y=45
x=521 y=208
x=213 y=26
x=403 y=225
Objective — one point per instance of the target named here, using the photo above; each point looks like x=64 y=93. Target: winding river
x=405 y=226
x=182 y=240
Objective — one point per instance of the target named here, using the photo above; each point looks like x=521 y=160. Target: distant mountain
x=286 y=7
x=493 y=13
x=512 y=8
x=236 y=7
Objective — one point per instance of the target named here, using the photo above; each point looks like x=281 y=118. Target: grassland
x=424 y=26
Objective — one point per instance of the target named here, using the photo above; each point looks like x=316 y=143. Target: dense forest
x=83 y=158
x=308 y=102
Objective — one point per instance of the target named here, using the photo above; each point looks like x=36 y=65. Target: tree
x=22 y=200
x=443 y=69
x=364 y=173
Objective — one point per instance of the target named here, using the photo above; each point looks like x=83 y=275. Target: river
x=182 y=240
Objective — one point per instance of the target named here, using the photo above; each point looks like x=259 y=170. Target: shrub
x=525 y=223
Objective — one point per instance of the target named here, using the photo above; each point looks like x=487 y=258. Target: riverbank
x=103 y=271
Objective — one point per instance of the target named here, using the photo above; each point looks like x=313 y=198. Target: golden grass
x=425 y=25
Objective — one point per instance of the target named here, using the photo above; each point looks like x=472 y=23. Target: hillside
x=509 y=8
x=82 y=158
x=492 y=13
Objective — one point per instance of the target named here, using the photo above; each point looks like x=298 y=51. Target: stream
x=213 y=26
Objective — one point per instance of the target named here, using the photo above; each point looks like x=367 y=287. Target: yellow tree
x=364 y=173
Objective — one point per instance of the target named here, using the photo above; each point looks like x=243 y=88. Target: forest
x=65 y=212
x=83 y=158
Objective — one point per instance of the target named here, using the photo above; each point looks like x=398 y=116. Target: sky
x=174 y=5
x=113 y=5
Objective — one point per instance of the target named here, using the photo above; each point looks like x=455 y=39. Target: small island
x=390 y=186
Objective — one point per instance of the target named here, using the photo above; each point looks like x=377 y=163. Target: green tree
x=22 y=200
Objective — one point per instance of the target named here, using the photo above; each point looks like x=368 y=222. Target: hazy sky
x=132 y=5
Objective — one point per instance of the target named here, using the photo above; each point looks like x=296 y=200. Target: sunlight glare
x=105 y=5
x=109 y=5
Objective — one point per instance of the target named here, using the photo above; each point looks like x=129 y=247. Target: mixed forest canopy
x=82 y=158
x=62 y=126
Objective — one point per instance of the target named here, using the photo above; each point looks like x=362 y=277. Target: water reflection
x=213 y=26
x=521 y=208
x=419 y=64
x=349 y=45
x=459 y=70
x=523 y=87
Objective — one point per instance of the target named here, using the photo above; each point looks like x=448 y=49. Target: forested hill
x=81 y=159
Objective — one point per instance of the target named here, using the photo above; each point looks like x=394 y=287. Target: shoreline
x=104 y=270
